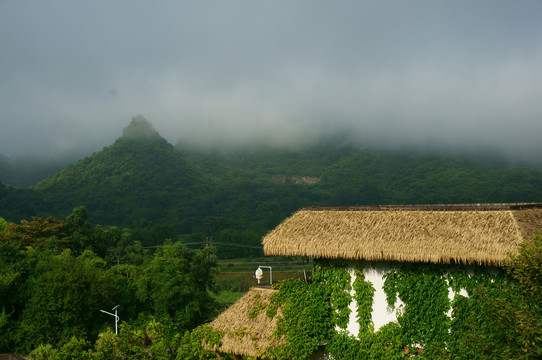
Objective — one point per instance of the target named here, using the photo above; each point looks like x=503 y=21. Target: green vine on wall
x=317 y=312
x=423 y=290
x=363 y=294
x=311 y=311
x=336 y=279
x=306 y=319
x=385 y=344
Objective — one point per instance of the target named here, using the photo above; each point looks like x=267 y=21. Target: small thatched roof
x=469 y=234
x=247 y=329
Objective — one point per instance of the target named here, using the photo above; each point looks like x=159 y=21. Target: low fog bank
x=26 y=170
x=458 y=77
x=297 y=135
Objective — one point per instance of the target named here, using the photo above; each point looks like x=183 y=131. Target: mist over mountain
x=142 y=178
x=140 y=129
x=27 y=169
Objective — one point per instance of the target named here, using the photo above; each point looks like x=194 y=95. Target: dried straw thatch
x=247 y=329
x=469 y=234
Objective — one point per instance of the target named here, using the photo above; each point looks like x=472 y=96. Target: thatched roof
x=247 y=329
x=470 y=234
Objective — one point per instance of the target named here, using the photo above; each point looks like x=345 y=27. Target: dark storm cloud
x=454 y=74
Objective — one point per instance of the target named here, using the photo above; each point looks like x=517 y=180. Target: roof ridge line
x=430 y=207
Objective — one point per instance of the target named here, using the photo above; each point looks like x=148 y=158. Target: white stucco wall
x=381 y=314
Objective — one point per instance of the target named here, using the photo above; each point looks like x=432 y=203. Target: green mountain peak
x=140 y=129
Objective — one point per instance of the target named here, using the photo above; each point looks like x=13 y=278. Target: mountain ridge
x=137 y=173
x=142 y=177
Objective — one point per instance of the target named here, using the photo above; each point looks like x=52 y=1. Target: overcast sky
x=456 y=74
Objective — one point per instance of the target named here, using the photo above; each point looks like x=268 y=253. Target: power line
x=214 y=243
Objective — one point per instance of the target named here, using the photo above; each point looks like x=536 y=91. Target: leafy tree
x=74 y=349
x=4 y=329
x=175 y=284
x=505 y=321
x=12 y=283
x=112 y=242
x=21 y=245
x=150 y=341
x=79 y=229
x=151 y=233
x=190 y=345
x=526 y=269
x=36 y=233
x=64 y=299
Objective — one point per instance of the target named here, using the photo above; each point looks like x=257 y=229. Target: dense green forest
x=143 y=182
x=56 y=276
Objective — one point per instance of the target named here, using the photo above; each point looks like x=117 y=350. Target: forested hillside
x=140 y=176
x=56 y=276
x=142 y=181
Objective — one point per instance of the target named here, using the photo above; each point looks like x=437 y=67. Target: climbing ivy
x=385 y=344
x=429 y=325
x=336 y=280
x=257 y=307
x=306 y=319
x=363 y=294
x=424 y=293
x=311 y=311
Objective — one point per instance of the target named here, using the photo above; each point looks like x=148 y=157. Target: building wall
x=382 y=313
